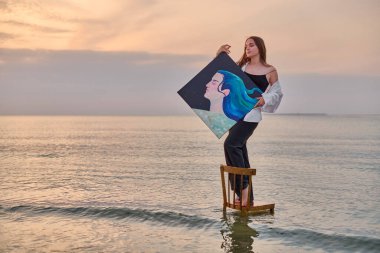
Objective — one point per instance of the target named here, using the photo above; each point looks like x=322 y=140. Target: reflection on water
x=237 y=234
x=152 y=184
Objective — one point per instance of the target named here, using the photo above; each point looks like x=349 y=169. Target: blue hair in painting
x=238 y=103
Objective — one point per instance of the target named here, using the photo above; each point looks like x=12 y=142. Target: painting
x=221 y=94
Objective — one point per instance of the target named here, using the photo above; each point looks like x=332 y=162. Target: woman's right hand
x=224 y=48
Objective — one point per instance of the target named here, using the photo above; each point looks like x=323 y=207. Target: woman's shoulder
x=272 y=75
x=270 y=68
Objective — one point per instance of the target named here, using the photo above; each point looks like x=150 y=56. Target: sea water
x=152 y=184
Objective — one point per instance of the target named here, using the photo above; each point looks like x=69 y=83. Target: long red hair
x=262 y=52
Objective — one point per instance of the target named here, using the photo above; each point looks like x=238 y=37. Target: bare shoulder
x=272 y=75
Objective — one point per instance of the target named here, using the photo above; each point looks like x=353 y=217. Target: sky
x=114 y=57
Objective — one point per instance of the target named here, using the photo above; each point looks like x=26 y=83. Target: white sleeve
x=272 y=97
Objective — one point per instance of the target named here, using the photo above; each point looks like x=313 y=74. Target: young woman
x=253 y=63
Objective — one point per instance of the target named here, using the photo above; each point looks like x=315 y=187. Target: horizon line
x=175 y=115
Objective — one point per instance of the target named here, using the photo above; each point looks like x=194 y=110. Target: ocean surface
x=152 y=184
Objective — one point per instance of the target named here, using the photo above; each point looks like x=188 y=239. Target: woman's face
x=251 y=49
x=213 y=87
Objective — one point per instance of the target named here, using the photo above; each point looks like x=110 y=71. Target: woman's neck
x=255 y=61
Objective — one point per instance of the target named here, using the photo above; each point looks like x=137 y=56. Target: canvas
x=221 y=94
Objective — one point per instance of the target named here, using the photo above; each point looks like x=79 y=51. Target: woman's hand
x=224 y=48
x=260 y=103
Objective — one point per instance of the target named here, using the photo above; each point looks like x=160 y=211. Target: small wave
x=50 y=155
x=328 y=242
x=165 y=217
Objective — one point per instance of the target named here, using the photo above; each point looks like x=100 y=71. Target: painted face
x=251 y=48
x=213 y=88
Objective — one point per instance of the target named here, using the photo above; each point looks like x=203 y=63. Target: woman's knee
x=230 y=144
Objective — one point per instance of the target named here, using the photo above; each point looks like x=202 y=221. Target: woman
x=253 y=63
x=228 y=94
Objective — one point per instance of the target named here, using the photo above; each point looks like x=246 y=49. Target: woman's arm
x=272 y=96
x=272 y=78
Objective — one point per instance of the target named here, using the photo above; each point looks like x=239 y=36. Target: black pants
x=235 y=151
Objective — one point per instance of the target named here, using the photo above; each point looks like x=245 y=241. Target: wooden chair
x=240 y=172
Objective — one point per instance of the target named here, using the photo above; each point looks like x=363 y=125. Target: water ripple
x=164 y=217
x=327 y=241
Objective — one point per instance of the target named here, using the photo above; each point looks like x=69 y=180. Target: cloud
x=124 y=83
x=331 y=94
x=14 y=57
x=3 y=5
x=88 y=82
x=116 y=28
x=6 y=36
x=36 y=27
x=58 y=10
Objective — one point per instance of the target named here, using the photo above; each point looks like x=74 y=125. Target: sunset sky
x=119 y=57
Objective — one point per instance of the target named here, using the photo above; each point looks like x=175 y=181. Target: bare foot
x=244 y=194
x=237 y=203
x=244 y=197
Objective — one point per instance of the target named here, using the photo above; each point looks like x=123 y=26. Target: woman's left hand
x=261 y=102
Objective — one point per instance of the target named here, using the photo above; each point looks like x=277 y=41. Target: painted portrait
x=221 y=94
